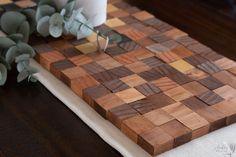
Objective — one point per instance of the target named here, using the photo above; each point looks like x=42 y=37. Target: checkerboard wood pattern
x=159 y=86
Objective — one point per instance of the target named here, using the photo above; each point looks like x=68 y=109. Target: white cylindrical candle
x=94 y=10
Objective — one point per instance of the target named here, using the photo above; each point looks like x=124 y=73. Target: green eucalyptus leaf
x=44 y=10
x=5 y=43
x=3 y=74
x=43 y=26
x=32 y=70
x=56 y=19
x=30 y=14
x=55 y=31
x=11 y=54
x=23 y=75
x=55 y=25
x=23 y=57
x=11 y=20
x=32 y=78
x=24 y=29
x=22 y=65
x=24 y=48
x=69 y=7
x=16 y=37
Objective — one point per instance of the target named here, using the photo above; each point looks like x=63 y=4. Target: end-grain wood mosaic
x=159 y=86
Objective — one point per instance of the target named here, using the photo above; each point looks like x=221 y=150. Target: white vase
x=94 y=10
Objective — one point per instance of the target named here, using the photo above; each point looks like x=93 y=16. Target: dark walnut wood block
x=159 y=86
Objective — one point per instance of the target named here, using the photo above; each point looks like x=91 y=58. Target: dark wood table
x=33 y=123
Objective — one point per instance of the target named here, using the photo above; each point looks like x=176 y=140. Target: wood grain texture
x=155 y=81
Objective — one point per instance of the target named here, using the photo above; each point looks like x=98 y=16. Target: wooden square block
x=209 y=67
x=116 y=85
x=138 y=67
x=182 y=52
x=159 y=37
x=156 y=141
x=233 y=70
x=119 y=13
x=81 y=60
x=57 y=67
x=158 y=117
x=111 y=8
x=115 y=22
x=177 y=110
x=194 y=103
x=109 y=63
x=226 y=78
x=134 y=126
x=129 y=46
x=195 y=88
x=225 y=63
x=107 y=102
x=93 y=68
x=178 y=131
x=72 y=73
x=95 y=92
x=210 y=98
x=211 y=83
x=126 y=58
x=153 y=62
x=148 y=89
x=196 y=123
x=151 y=75
x=96 y=57
x=78 y=85
x=226 y=92
x=133 y=80
x=182 y=66
x=143 y=15
x=180 y=78
x=118 y=114
x=61 y=45
x=175 y=34
x=121 y=72
x=115 y=50
x=158 y=48
x=46 y=59
x=216 y=119
x=171 y=44
x=4 y=2
x=144 y=42
x=130 y=95
x=196 y=74
x=165 y=83
x=141 y=54
x=168 y=56
x=178 y=93
x=196 y=60
x=87 y=48
x=135 y=34
x=228 y=109
x=105 y=76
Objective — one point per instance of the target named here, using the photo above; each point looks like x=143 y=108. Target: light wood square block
x=227 y=92
x=107 y=102
x=182 y=66
x=133 y=80
x=225 y=63
x=182 y=52
x=226 y=78
x=130 y=95
x=46 y=59
x=126 y=58
x=4 y=2
x=165 y=83
x=158 y=117
x=233 y=70
x=87 y=48
x=196 y=74
x=72 y=73
x=138 y=67
x=177 y=110
x=175 y=34
x=134 y=126
x=115 y=22
x=156 y=141
x=143 y=15
x=178 y=93
x=78 y=85
x=141 y=54
x=111 y=8
x=135 y=34
x=228 y=109
x=178 y=131
x=195 y=88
